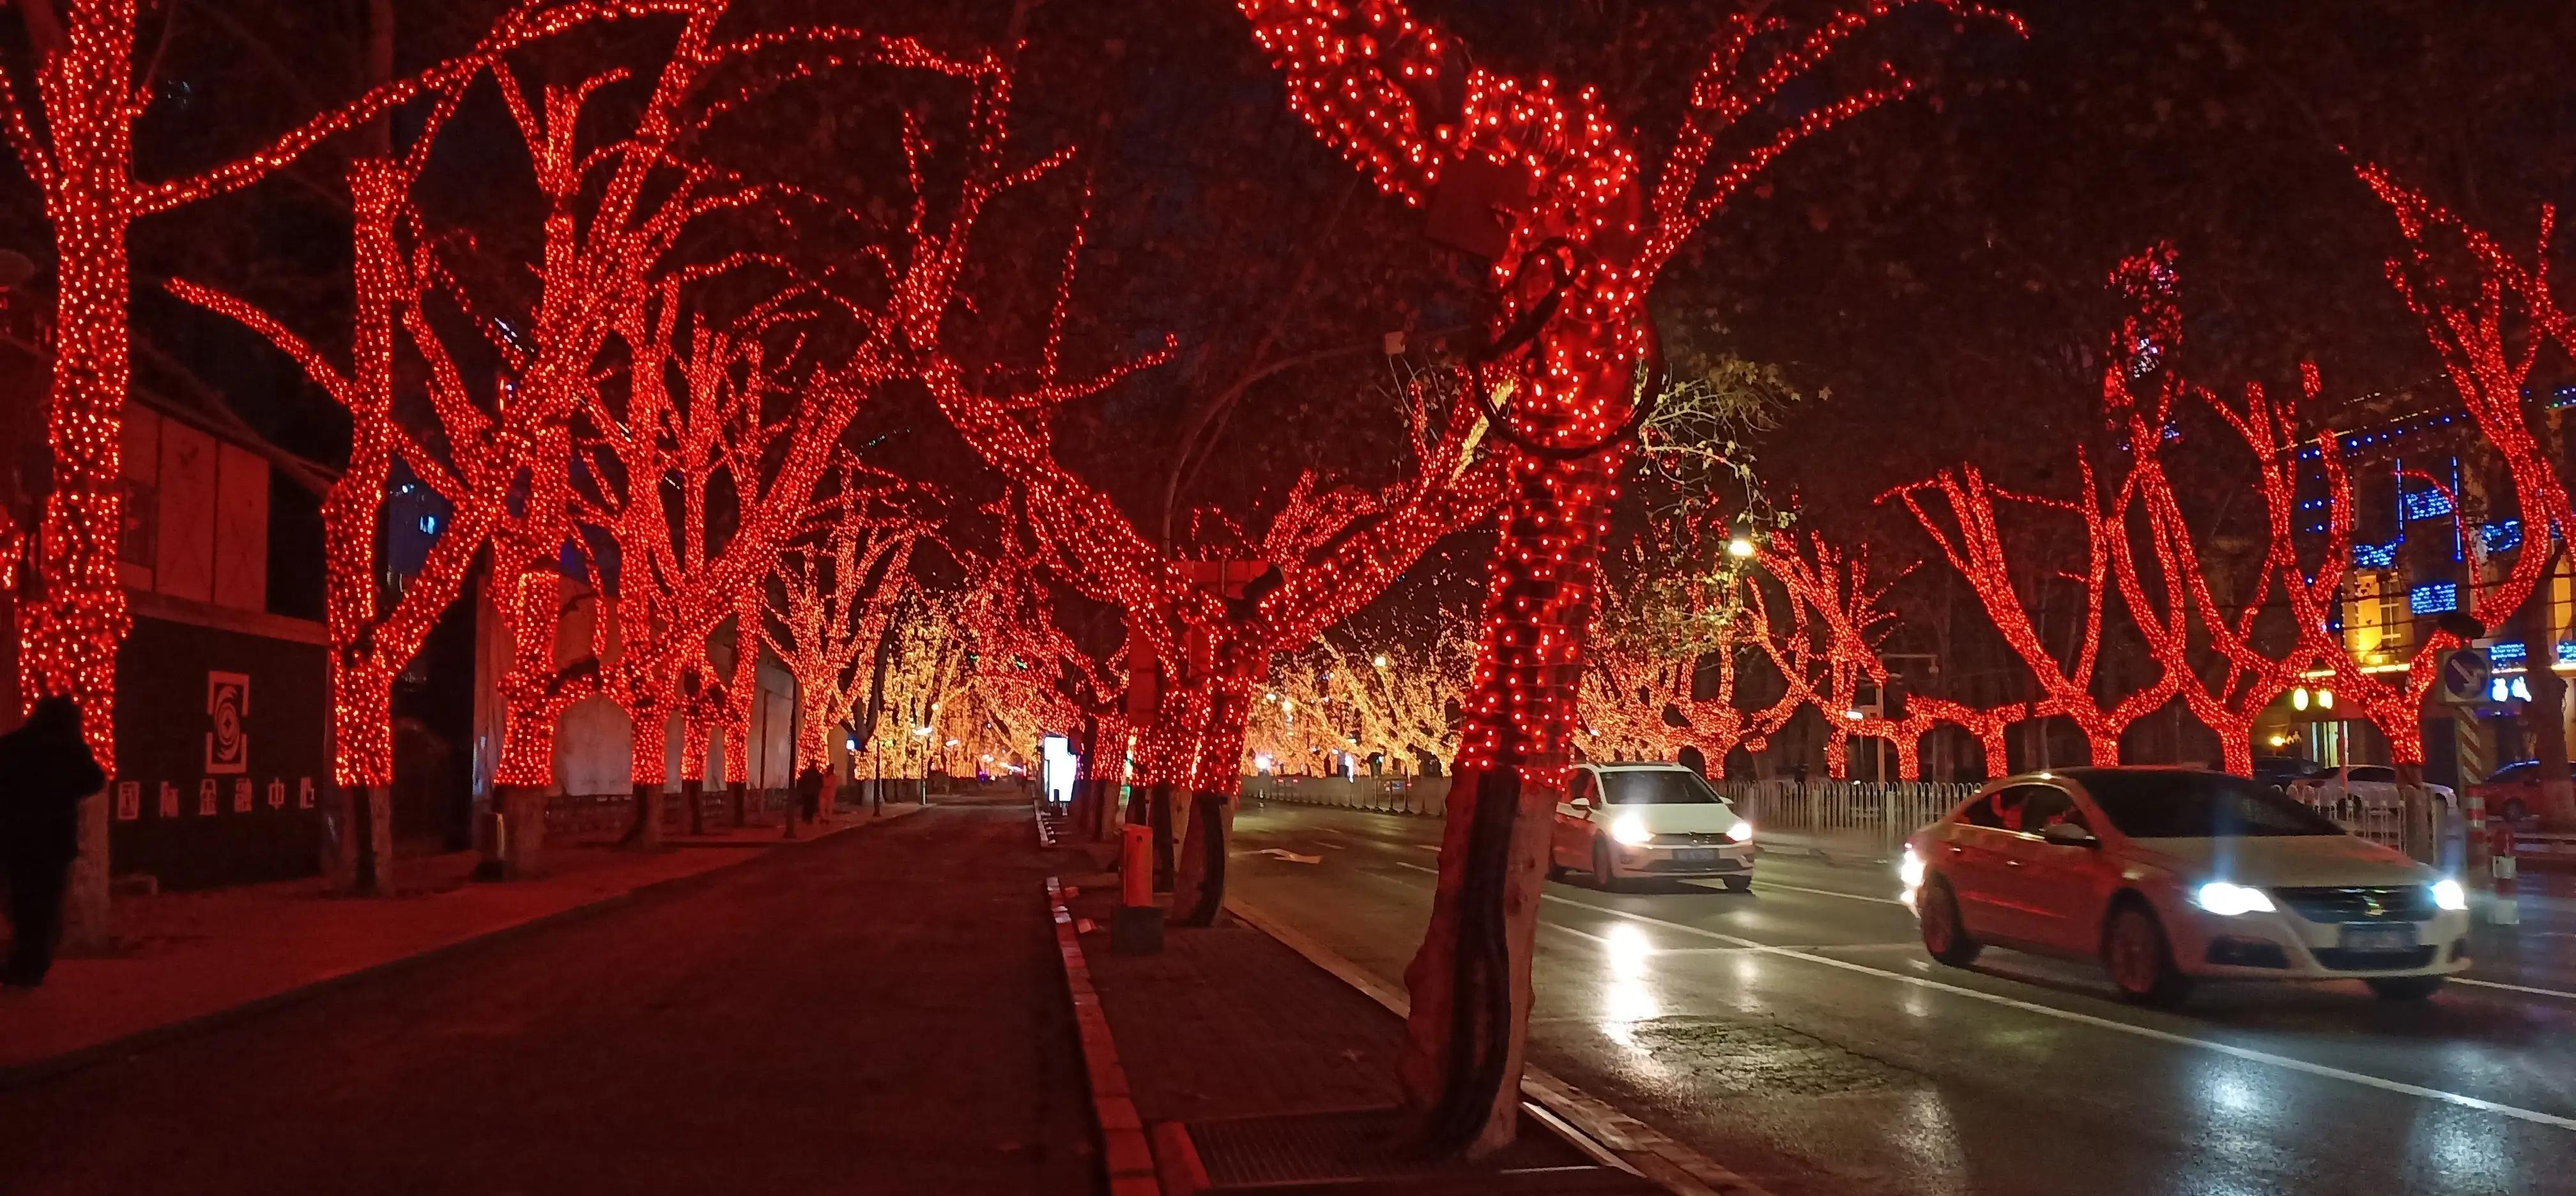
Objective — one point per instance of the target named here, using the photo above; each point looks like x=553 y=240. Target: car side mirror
x=2070 y=835
x=1581 y=803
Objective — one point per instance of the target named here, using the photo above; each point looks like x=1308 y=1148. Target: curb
x=23 y=1075
x=1126 y=1154
x=1612 y=1135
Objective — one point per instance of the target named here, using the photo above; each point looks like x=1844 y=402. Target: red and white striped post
x=2504 y=906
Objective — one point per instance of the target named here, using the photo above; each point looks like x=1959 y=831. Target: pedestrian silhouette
x=45 y=771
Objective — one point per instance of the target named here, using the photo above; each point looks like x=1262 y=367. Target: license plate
x=2400 y=937
x=1695 y=855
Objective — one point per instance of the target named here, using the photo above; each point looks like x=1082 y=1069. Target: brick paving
x=185 y=956
x=880 y=1012
x=1226 y=1022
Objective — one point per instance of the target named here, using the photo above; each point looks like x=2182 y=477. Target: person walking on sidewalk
x=45 y=771
x=809 y=798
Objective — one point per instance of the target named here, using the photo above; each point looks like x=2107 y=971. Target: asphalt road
x=879 y=1012
x=1799 y=1035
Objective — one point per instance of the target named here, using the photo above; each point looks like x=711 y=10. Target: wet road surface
x=1799 y=1035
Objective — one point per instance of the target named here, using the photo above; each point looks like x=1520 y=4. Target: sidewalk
x=185 y=960
x=1250 y=1069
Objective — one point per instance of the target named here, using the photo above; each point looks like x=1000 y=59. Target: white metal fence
x=2411 y=818
x=1841 y=818
x=1384 y=795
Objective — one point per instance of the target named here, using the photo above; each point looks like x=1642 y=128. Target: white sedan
x=1624 y=820
x=2173 y=875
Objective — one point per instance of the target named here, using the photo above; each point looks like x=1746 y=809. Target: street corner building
x=221 y=743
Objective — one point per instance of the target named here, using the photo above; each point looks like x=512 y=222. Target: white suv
x=1624 y=820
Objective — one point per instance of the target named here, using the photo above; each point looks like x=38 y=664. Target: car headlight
x=1741 y=832
x=2228 y=900
x=1632 y=831
x=1909 y=868
x=2448 y=894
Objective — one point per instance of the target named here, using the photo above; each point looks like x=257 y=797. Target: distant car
x=1626 y=820
x=2511 y=792
x=2172 y=875
x=2281 y=770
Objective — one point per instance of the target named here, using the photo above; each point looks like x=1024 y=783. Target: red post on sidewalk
x=2504 y=908
x=1137 y=927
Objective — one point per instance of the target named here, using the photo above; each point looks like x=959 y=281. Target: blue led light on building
x=2502 y=535
x=2567 y=651
x=2423 y=504
x=2508 y=652
x=2374 y=556
x=2434 y=598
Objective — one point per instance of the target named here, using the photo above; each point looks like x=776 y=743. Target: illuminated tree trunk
x=69 y=630
x=648 y=768
x=1470 y=981
x=1215 y=778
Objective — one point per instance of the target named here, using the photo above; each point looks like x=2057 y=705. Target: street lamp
x=1381 y=660
x=1740 y=547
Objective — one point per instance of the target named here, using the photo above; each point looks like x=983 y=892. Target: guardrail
x=1841 y=818
x=2411 y=818
x=1427 y=796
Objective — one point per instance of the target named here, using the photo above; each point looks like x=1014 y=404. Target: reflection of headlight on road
x=1741 y=832
x=1909 y=869
x=2449 y=895
x=2227 y=900
x=1632 y=831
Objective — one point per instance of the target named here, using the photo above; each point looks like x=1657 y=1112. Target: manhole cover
x=1750 y=1057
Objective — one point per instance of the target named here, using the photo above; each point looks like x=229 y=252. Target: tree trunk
x=645 y=832
x=734 y=795
x=693 y=793
x=519 y=851
x=86 y=930
x=1198 y=883
x=70 y=629
x=362 y=845
x=1470 y=980
x=1162 y=820
x=1216 y=776
x=2549 y=737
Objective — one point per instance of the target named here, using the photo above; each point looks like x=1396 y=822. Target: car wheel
x=2405 y=988
x=1604 y=876
x=1737 y=884
x=1555 y=871
x=1945 y=936
x=2140 y=960
x=2512 y=810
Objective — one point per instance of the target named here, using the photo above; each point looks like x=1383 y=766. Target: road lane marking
x=1760 y=884
x=2519 y=988
x=2229 y=1049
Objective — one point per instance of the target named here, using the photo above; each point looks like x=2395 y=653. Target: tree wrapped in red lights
x=1649 y=693
x=1328 y=551
x=2489 y=315
x=1588 y=234
x=80 y=154
x=686 y=443
x=1975 y=541
x=831 y=620
x=2227 y=662
x=617 y=214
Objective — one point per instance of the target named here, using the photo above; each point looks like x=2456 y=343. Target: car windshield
x=2198 y=805
x=1657 y=787
x=2373 y=773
